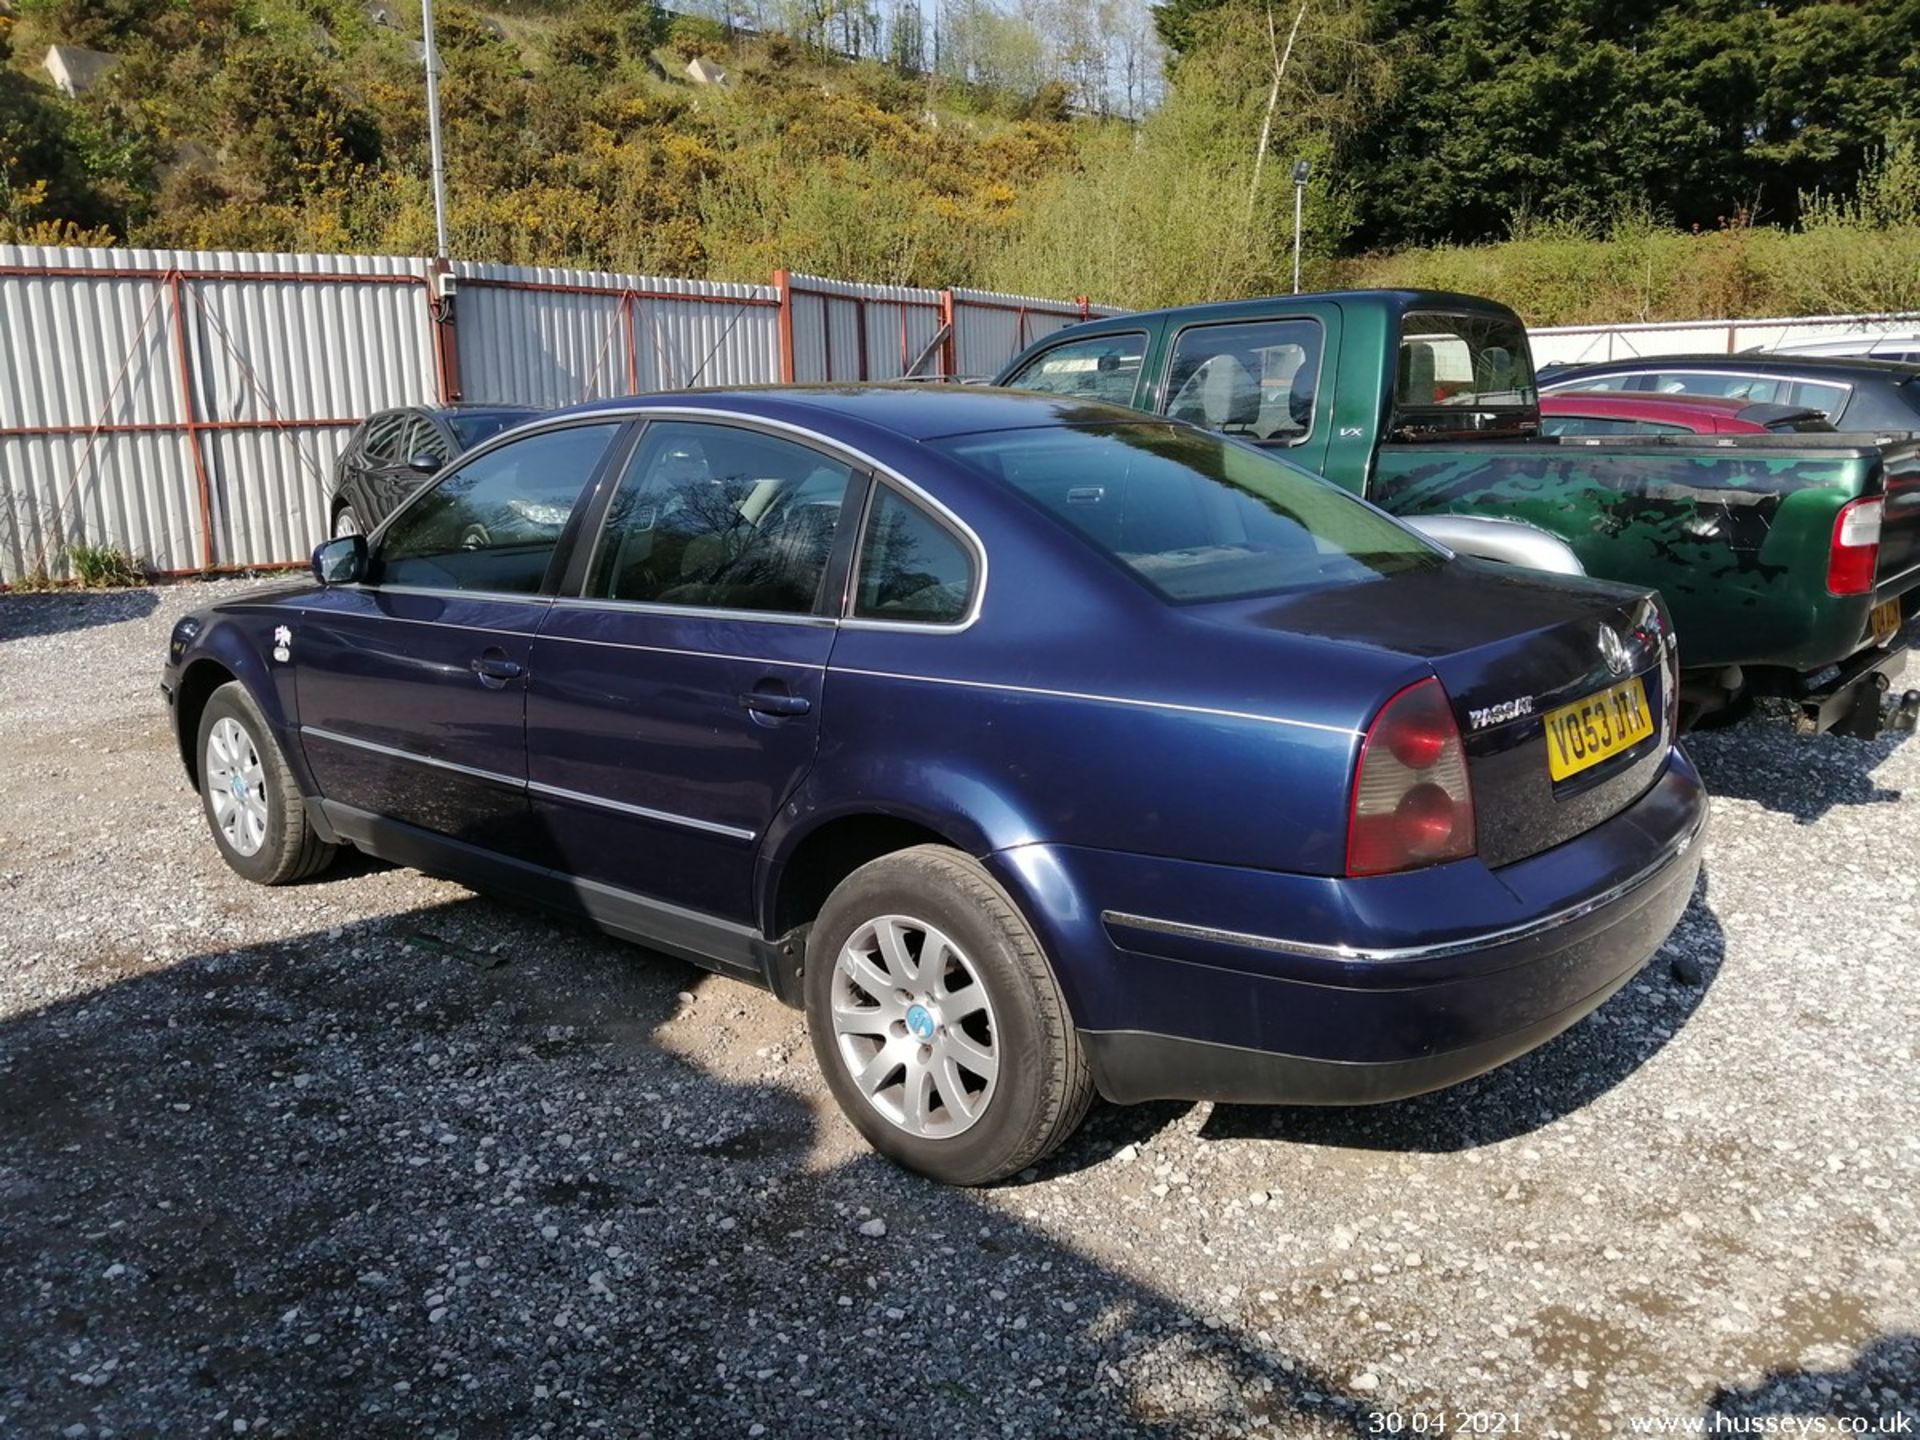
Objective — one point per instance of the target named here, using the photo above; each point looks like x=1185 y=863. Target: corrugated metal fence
x=1591 y=344
x=187 y=407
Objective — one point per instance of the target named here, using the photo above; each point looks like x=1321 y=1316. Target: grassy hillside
x=575 y=138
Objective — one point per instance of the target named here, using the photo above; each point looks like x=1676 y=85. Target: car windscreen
x=1196 y=517
x=470 y=430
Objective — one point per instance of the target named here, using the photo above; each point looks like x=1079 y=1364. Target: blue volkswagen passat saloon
x=1033 y=747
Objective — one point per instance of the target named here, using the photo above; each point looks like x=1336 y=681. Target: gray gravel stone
x=493 y=1206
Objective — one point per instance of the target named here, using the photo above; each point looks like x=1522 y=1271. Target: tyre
x=252 y=804
x=938 y=1022
x=346 y=521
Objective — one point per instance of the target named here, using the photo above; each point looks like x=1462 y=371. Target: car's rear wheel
x=938 y=1022
x=346 y=521
x=253 y=806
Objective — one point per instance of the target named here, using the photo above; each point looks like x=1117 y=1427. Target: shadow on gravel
x=1804 y=776
x=1882 y=1382
x=63 y=610
x=451 y=1173
x=1562 y=1076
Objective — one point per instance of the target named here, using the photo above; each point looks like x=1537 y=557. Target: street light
x=432 y=60
x=1301 y=170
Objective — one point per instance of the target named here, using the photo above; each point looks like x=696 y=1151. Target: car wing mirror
x=425 y=463
x=342 y=561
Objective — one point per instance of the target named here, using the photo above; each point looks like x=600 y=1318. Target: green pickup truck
x=1790 y=563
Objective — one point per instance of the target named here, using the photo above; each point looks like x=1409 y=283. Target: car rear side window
x=1104 y=367
x=383 y=434
x=913 y=569
x=1254 y=380
x=1194 y=516
x=720 y=517
x=492 y=524
x=1829 y=400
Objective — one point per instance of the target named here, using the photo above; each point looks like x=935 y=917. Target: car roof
x=1855 y=344
x=1669 y=401
x=1399 y=302
x=1847 y=366
x=912 y=412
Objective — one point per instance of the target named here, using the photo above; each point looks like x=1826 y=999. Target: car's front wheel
x=938 y=1022
x=252 y=803
x=346 y=521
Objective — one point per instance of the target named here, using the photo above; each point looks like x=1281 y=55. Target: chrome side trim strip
x=676 y=650
x=514 y=783
x=1511 y=934
x=354 y=742
x=691 y=612
x=1102 y=699
x=598 y=802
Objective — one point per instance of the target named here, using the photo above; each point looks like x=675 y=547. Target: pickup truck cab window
x=912 y=568
x=1462 y=373
x=721 y=517
x=492 y=525
x=1255 y=380
x=1194 y=517
x=1103 y=367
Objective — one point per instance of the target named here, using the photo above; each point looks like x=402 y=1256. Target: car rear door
x=412 y=686
x=676 y=688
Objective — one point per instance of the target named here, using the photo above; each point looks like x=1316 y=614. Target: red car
x=1619 y=412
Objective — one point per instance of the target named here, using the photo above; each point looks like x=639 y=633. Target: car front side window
x=492 y=525
x=714 y=516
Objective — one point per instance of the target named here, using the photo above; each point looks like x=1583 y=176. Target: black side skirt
x=705 y=940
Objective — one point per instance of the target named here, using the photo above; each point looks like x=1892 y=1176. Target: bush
x=103 y=567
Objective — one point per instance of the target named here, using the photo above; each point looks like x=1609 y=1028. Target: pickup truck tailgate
x=1900 y=525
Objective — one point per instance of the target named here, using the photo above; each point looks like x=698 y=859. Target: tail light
x=1855 y=556
x=1412 y=805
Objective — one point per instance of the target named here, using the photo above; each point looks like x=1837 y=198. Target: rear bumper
x=1354 y=992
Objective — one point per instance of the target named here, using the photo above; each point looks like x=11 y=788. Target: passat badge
x=1499 y=714
x=282 y=644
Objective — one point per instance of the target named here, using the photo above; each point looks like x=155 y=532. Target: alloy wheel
x=915 y=1027
x=236 y=786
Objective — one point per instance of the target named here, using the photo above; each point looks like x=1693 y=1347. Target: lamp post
x=1302 y=169
x=433 y=131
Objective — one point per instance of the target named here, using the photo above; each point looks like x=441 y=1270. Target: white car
x=1865 y=347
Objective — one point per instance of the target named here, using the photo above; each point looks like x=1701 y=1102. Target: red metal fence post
x=176 y=283
x=948 y=350
x=783 y=282
x=630 y=305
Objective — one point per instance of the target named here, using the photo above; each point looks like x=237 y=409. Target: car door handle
x=494 y=665
x=763 y=702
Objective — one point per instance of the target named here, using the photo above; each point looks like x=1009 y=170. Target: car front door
x=675 y=694
x=412 y=686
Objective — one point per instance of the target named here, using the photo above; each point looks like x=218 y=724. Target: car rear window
x=1195 y=517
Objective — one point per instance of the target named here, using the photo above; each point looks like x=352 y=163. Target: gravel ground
x=377 y=1156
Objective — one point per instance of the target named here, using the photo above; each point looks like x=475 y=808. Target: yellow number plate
x=1886 y=621
x=1586 y=732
